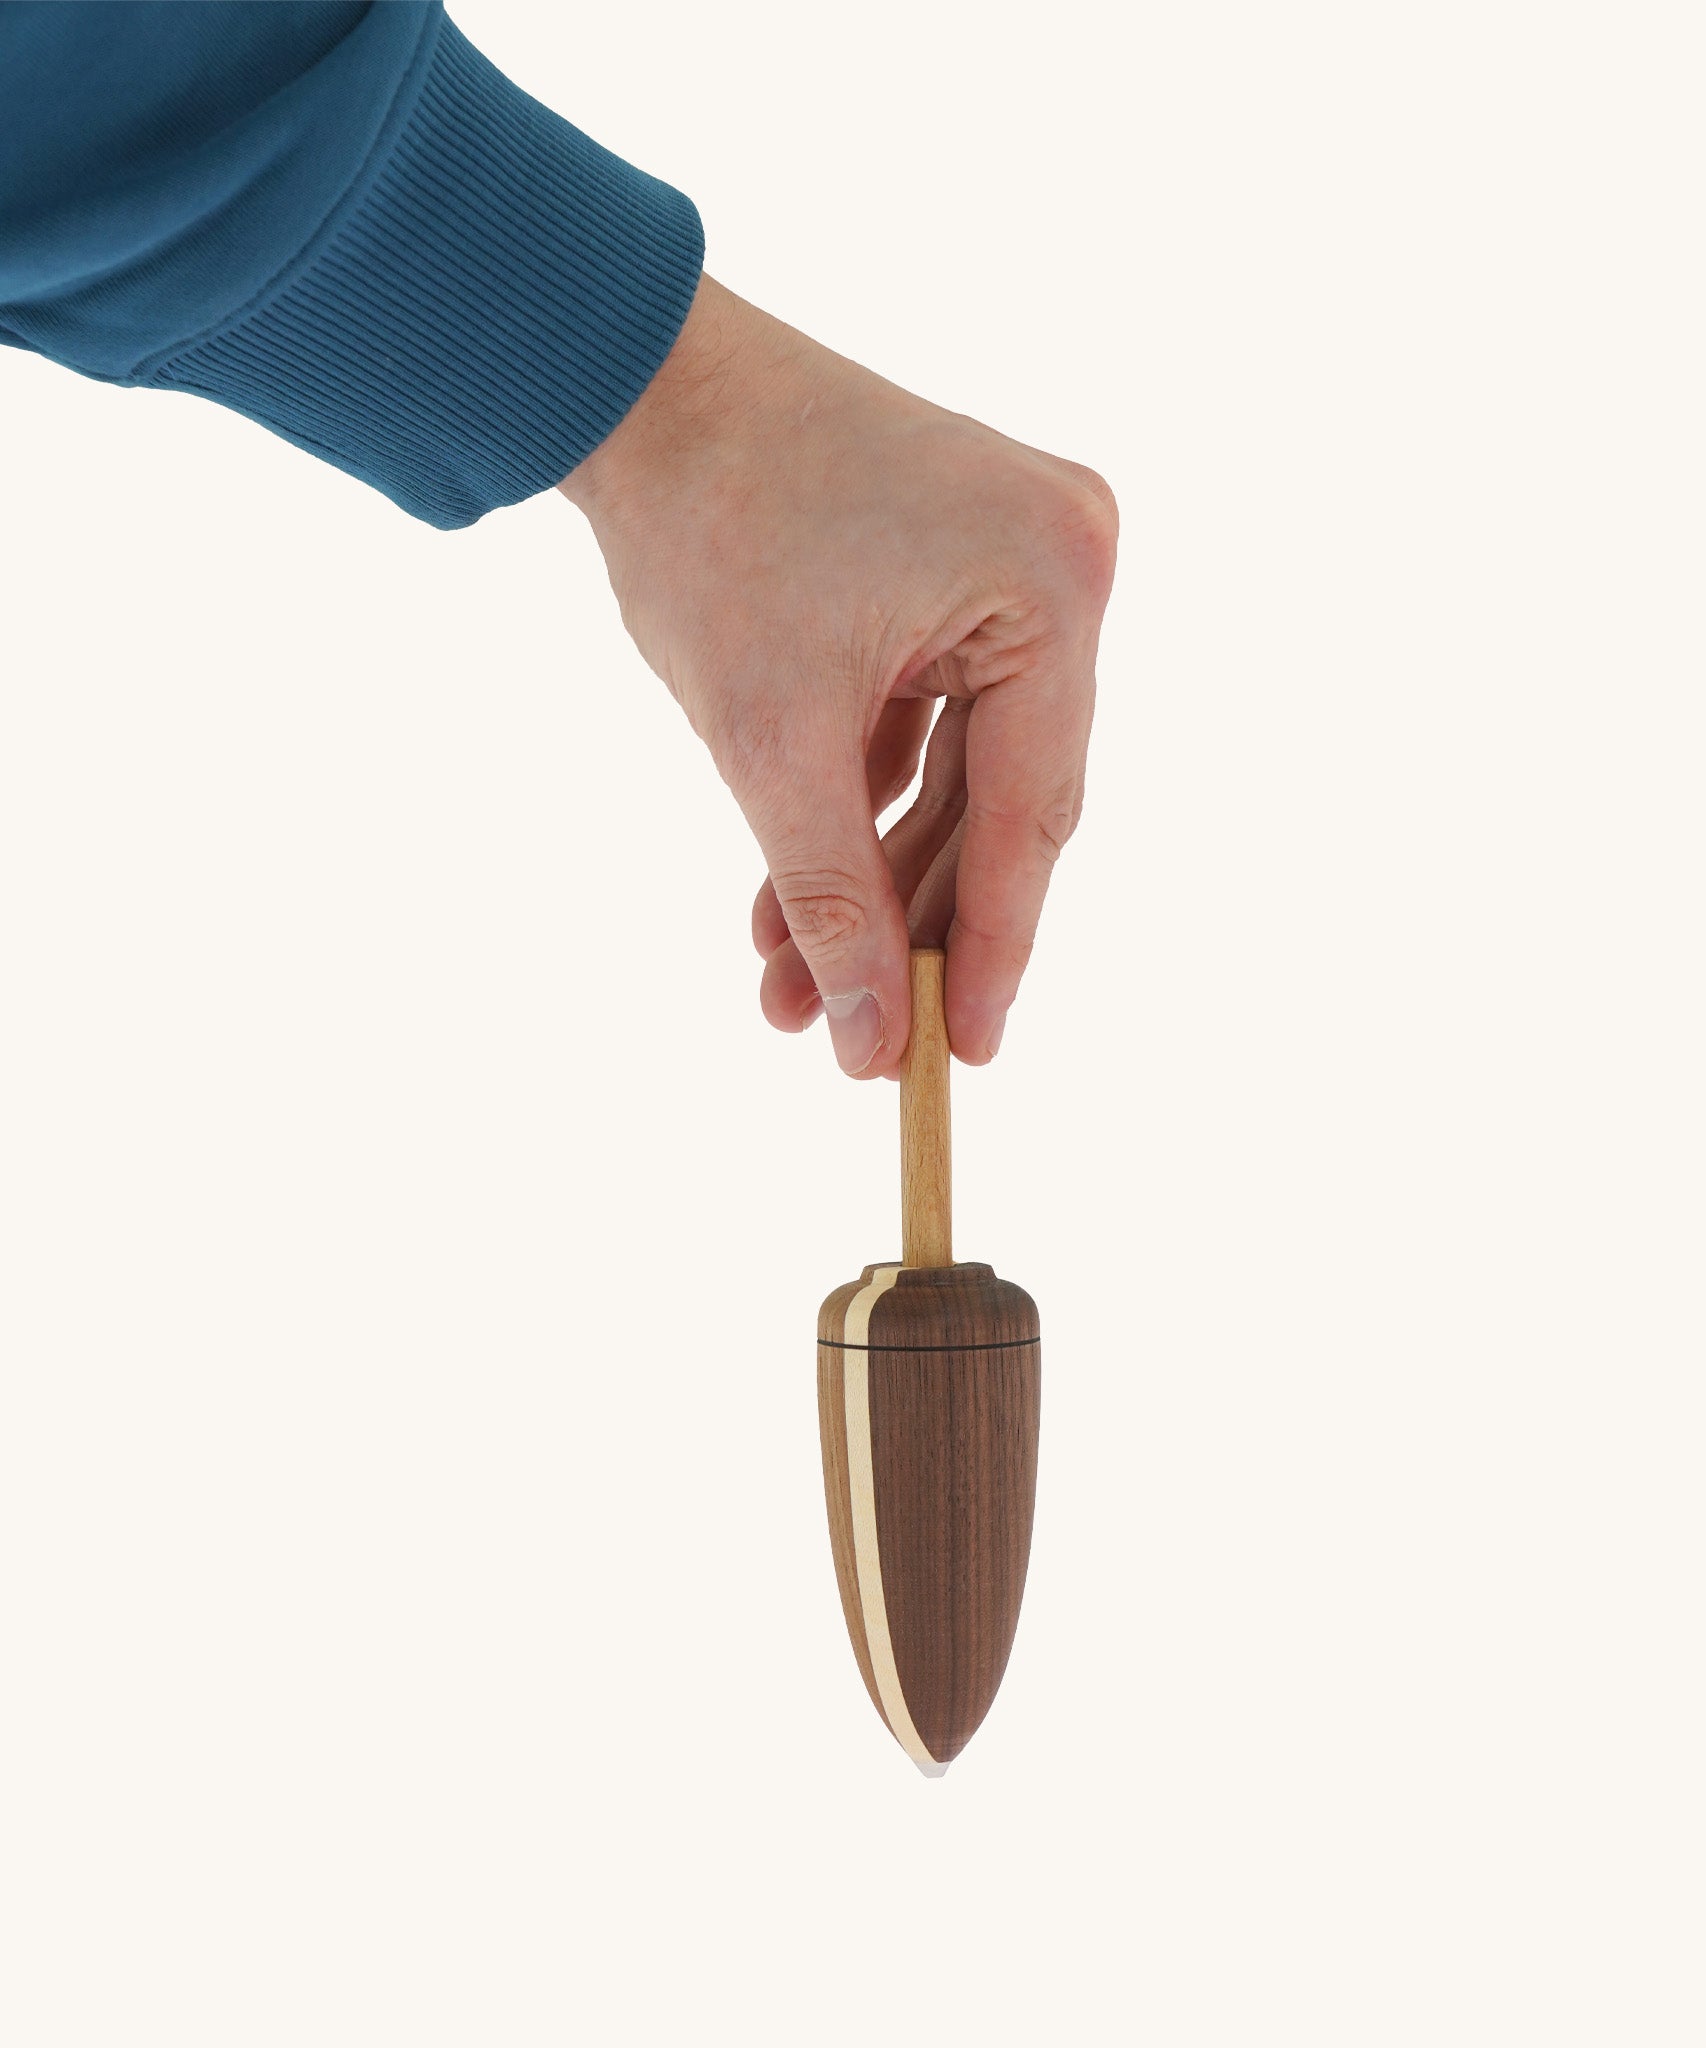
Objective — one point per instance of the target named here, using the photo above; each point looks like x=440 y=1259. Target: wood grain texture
x=948 y=1378
x=926 y=1172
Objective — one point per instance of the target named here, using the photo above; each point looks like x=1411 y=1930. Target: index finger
x=1026 y=743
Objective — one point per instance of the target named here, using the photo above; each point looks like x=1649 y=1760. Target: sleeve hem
x=480 y=319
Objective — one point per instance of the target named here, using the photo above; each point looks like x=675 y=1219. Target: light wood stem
x=926 y=1175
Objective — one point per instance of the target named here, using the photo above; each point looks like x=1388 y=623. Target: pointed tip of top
x=932 y=1770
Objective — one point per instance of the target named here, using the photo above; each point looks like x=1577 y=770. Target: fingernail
x=809 y=1014
x=855 y=1029
x=995 y=1035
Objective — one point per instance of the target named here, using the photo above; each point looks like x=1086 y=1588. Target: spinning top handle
x=926 y=1178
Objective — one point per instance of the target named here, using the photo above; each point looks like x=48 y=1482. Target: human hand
x=808 y=555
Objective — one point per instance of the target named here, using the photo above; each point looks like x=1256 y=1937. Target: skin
x=811 y=558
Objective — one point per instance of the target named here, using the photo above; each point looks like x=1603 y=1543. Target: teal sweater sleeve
x=340 y=220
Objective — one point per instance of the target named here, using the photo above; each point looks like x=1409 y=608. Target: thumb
x=837 y=894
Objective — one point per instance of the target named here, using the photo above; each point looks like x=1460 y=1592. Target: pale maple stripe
x=862 y=1492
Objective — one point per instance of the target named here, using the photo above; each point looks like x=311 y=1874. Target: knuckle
x=1057 y=819
x=1102 y=491
x=1087 y=523
x=823 y=911
x=1095 y=540
x=1048 y=821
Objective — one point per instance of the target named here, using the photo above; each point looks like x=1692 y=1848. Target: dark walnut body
x=931 y=1501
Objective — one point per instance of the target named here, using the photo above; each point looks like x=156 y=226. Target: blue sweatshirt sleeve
x=340 y=220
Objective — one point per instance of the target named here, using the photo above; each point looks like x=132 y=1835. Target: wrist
x=726 y=352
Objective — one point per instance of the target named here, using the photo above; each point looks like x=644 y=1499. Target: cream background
x=414 y=1627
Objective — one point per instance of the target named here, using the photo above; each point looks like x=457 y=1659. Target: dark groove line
x=1006 y=1344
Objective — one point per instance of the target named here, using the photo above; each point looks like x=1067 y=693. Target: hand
x=808 y=555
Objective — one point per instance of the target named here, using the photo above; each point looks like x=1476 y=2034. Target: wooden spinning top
x=928 y=1386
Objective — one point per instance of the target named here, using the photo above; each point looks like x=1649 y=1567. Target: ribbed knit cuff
x=480 y=313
